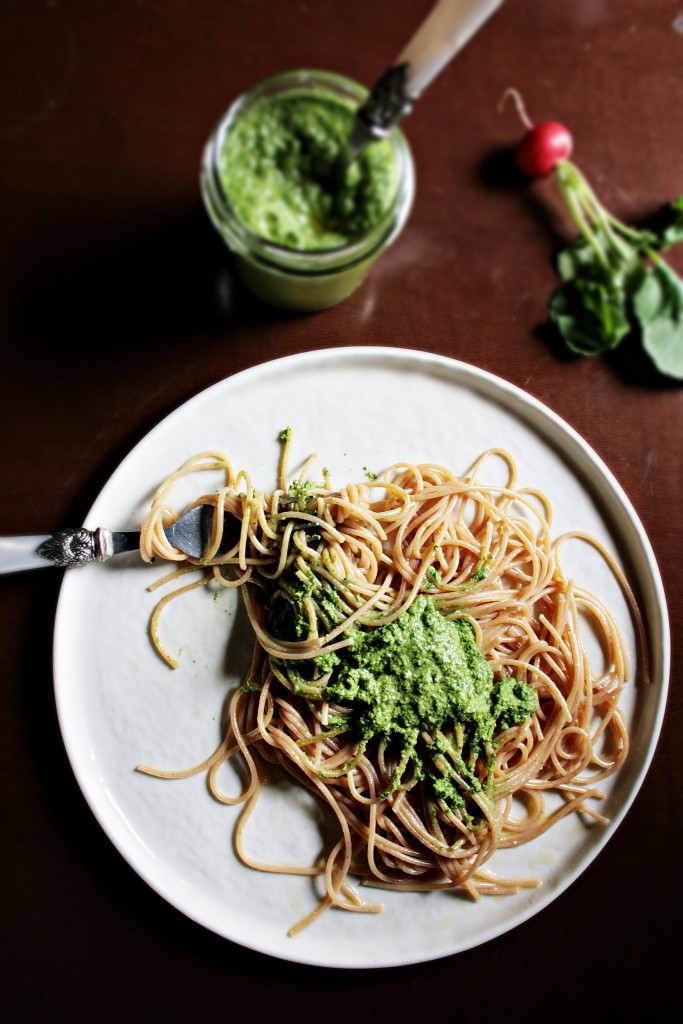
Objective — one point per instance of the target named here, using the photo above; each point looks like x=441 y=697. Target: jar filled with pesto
x=304 y=224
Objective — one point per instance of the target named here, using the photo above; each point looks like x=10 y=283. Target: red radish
x=543 y=146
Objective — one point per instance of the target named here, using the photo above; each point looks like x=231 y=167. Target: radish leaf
x=673 y=232
x=590 y=315
x=658 y=306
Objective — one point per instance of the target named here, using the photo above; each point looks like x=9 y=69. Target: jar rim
x=306 y=261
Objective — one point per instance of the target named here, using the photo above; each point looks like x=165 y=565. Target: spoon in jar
x=445 y=31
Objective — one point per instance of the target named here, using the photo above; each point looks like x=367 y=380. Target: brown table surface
x=112 y=317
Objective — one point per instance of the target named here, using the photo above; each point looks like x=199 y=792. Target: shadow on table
x=147 y=305
x=175 y=280
x=628 y=361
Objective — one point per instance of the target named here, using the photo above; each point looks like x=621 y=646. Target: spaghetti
x=420 y=804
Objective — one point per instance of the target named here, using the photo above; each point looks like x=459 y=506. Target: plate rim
x=463 y=373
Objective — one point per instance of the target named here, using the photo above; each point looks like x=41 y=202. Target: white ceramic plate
x=119 y=705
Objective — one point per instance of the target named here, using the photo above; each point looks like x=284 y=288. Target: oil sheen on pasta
x=280 y=171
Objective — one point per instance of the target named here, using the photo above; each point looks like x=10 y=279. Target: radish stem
x=516 y=97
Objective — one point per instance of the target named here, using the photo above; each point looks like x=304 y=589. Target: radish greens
x=615 y=280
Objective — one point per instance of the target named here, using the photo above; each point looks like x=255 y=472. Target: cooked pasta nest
x=481 y=552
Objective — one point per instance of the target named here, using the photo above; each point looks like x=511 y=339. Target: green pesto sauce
x=420 y=683
x=423 y=672
x=280 y=170
x=417 y=672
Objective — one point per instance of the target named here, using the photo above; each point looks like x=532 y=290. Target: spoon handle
x=447 y=29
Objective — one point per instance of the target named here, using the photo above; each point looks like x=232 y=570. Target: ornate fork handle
x=65 y=549
x=70 y=548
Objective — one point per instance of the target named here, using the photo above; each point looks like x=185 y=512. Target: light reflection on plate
x=119 y=705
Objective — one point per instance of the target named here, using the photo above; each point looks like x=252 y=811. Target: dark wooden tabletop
x=118 y=304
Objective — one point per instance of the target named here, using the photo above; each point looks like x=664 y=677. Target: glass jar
x=291 y=278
